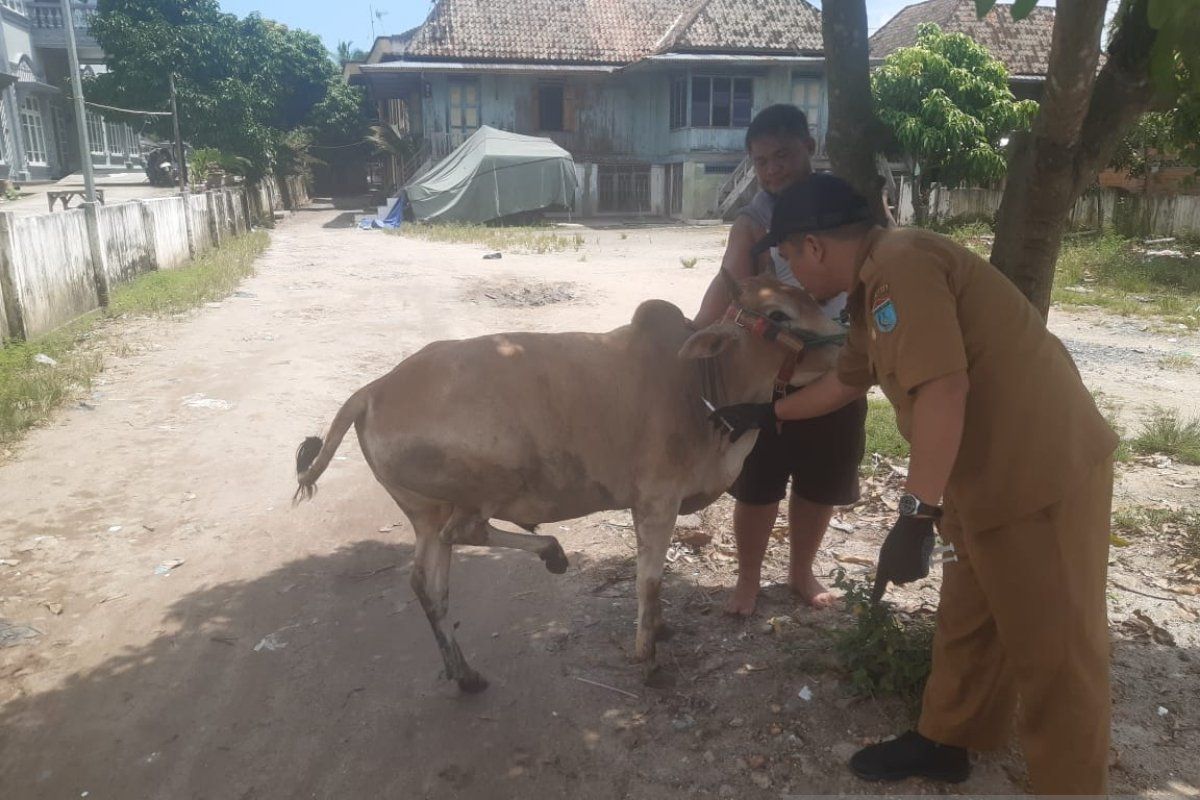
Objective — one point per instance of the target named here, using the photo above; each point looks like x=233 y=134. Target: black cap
x=820 y=202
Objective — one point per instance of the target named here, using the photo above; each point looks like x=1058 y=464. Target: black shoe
x=911 y=755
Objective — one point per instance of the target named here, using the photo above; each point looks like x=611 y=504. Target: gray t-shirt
x=759 y=211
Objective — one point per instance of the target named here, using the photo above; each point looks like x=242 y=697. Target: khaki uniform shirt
x=925 y=307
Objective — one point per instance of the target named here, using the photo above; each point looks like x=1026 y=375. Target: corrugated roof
x=1023 y=47
x=612 y=31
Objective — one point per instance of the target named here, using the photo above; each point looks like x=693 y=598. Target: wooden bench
x=66 y=195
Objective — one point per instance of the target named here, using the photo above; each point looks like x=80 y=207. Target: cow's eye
x=779 y=316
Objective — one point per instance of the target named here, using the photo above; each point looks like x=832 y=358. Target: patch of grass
x=882 y=435
x=883 y=653
x=30 y=391
x=688 y=262
x=211 y=276
x=1109 y=272
x=1179 y=362
x=523 y=239
x=1166 y=434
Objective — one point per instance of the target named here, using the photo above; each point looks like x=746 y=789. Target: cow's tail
x=314 y=455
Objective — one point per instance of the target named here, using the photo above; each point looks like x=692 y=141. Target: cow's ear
x=712 y=341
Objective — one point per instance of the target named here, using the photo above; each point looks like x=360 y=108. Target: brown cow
x=530 y=428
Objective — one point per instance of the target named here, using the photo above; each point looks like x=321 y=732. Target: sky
x=351 y=20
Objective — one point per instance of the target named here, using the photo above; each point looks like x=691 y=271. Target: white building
x=37 y=129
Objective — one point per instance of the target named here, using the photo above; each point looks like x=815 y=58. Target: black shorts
x=820 y=455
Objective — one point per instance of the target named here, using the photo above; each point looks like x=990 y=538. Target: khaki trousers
x=1023 y=612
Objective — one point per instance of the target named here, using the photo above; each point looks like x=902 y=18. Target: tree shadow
x=321 y=679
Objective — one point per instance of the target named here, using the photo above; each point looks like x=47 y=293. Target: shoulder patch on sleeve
x=883 y=310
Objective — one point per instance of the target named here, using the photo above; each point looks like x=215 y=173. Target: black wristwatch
x=911 y=506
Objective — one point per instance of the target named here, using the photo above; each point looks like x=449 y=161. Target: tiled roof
x=785 y=26
x=612 y=31
x=556 y=31
x=1023 y=47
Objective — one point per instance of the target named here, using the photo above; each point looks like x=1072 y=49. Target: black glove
x=744 y=417
x=905 y=554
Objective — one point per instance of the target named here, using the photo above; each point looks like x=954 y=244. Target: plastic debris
x=1162 y=711
x=212 y=403
x=271 y=642
x=42 y=358
x=12 y=635
x=806 y=694
x=166 y=567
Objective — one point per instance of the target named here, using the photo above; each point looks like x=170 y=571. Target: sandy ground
x=179 y=631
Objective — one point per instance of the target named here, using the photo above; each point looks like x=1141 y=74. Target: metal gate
x=623 y=187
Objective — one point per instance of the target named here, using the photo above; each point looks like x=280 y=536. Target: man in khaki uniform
x=1003 y=428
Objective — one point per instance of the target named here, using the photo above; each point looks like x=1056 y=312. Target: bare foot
x=813 y=592
x=741 y=602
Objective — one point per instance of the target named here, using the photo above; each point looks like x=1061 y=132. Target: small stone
x=1162 y=711
x=737 y=722
x=844 y=750
x=776 y=729
x=760 y=779
x=683 y=723
x=709 y=757
x=756 y=761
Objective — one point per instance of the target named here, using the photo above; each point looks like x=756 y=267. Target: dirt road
x=193 y=636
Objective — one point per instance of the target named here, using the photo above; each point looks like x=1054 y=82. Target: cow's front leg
x=654 y=525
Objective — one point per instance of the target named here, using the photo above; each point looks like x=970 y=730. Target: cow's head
x=774 y=319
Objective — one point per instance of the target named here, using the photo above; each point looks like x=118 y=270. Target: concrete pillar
x=592 y=201
x=658 y=190
x=99 y=257
x=149 y=232
x=10 y=290
x=214 y=217
x=188 y=222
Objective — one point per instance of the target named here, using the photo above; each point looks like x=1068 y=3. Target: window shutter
x=570 y=108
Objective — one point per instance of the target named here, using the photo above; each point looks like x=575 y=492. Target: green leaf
x=1021 y=8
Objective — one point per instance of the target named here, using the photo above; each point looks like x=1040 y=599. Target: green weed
x=882 y=653
x=1179 y=362
x=1165 y=433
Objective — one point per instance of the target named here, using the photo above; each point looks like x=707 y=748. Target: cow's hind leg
x=546 y=548
x=654 y=525
x=431 y=584
x=471 y=528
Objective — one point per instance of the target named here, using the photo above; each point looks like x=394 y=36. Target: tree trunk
x=920 y=202
x=1081 y=119
x=854 y=134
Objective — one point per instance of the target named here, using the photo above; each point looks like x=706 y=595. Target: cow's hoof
x=554 y=558
x=664 y=633
x=656 y=678
x=472 y=683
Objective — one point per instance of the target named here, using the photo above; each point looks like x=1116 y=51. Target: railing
x=49 y=16
x=409 y=166
x=443 y=144
x=14 y=5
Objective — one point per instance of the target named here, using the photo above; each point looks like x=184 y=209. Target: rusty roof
x=612 y=31
x=1023 y=47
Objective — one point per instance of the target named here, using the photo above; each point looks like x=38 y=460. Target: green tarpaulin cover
x=495 y=174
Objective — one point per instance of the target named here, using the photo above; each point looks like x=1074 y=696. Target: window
x=807 y=96
x=679 y=109
x=115 y=144
x=58 y=115
x=464 y=106
x=721 y=102
x=32 y=134
x=95 y=132
x=550 y=108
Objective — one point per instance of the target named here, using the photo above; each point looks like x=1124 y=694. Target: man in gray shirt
x=820 y=456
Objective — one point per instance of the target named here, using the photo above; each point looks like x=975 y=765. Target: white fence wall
x=46 y=271
x=1131 y=214
x=47 y=267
